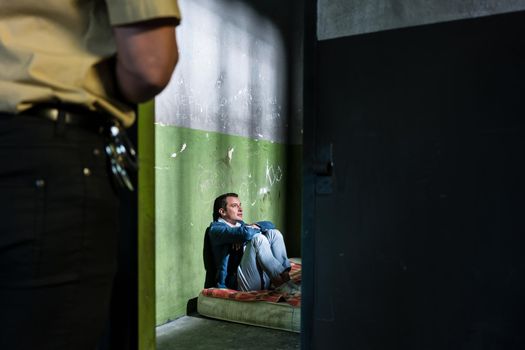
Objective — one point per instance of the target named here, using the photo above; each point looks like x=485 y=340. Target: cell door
x=414 y=194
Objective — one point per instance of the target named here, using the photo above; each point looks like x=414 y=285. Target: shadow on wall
x=227 y=122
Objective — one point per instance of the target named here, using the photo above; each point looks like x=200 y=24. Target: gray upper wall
x=337 y=18
x=232 y=76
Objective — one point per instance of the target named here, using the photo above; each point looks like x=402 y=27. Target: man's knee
x=274 y=234
x=268 y=237
x=258 y=239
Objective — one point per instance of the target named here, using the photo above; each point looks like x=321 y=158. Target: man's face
x=233 y=211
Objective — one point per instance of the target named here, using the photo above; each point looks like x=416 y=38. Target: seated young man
x=247 y=256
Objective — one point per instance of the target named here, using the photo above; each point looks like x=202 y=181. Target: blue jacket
x=222 y=237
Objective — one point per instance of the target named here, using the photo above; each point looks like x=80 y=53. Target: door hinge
x=324 y=170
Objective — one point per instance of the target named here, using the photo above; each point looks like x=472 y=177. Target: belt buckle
x=121 y=154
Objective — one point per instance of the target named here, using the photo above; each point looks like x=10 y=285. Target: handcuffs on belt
x=121 y=154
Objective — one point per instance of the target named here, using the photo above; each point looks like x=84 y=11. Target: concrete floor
x=197 y=332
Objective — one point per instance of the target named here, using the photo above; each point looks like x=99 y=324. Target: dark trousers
x=58 y=229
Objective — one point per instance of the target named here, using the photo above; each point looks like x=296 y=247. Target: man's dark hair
x=220 y=202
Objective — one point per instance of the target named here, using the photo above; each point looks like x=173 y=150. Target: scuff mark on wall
x=273 y=174
x=251 y=186
x=263 y=190
x=230 y=154
x=183 y=147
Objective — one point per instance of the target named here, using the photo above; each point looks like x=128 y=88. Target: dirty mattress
x=265 y=308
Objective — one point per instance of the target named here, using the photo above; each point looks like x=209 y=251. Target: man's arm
x=146 y=57
x=221 y=233
x=265 y=225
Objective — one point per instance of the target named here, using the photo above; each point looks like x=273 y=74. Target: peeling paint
x=230 y=154
x=174 y=154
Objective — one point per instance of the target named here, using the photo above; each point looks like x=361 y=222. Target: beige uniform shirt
x=63 y=50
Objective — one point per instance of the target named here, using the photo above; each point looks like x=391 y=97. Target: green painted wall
x=192 y=167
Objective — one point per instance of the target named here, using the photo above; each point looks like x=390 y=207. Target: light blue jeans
x=264 y=259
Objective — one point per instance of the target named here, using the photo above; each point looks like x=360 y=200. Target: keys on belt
x=121 y=154
x=119 y=149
